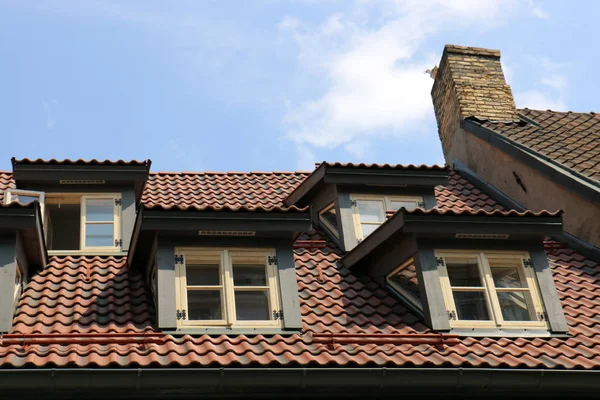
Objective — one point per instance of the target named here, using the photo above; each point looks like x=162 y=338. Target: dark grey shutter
x=127 y=217
x=8 y=271
x=167 y=291
x=288 y=286
x=556 y=315
x=434 y=306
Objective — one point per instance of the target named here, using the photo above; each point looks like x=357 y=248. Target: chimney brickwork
x=470 y=83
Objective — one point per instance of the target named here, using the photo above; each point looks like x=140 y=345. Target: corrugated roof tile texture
x=83 y=295
x=569 y=138
x=220 y=190
x=62 y=299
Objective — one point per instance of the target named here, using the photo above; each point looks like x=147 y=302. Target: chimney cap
x=473 y=51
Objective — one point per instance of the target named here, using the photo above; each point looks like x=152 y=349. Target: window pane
x=249 y=275
x=202 y=274
x=471 y=306
x=367 y=229
x=204 y=304
x=23 y=199
x=99 y=210
x=371 y=210
x=99 y=235
x=406 y=281
x=464 y=273
x=508 y=277
x=330 y=216
x=515 y=306
x=396 y=204
x=252 y=306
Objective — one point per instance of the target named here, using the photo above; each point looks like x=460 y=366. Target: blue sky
x=267 y=85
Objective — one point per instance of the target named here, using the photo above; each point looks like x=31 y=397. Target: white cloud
x=537 y=11
x=49 y=116
x=550 y=88
x=373 y=63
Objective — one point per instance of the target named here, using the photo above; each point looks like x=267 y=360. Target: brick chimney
x=469 y=83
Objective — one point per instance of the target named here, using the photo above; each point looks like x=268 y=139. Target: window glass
x=395 y=205
x=228 y=287
x=202 y=274
x=204 y=305
x=23 y=199
x=404 y=280
x=252 y=305
x=490 y=287
x=99 y=210
x=99 y=235
x=371 y=211
x=471 y=306
x=249 y=275
x=515 y=306
x=329 y=215
x=464 y=273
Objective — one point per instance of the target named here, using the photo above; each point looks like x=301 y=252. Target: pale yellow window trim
x=326 y=223
x=116 y=222
x=387 y=205
x=81 y=199
x=9 y=193
x=18 y=286
x=490 y=291
x=225 y=257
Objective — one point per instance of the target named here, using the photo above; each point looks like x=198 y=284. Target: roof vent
x=481 y=236
x=226 y=233
x=82 y=182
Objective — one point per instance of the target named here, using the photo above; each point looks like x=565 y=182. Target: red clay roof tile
x=101 y=295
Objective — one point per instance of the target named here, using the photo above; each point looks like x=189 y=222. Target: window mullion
x=228 y=291
x=83 y=219
x=491 y=294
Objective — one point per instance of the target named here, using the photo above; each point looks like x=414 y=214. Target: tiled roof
x=386 y=166
x=217 y=191
x=96 y=295
x=571 y=139
x=102 y=296
x=494 y=213
x=53 y=161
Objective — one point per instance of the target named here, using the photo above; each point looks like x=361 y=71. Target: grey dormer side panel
x=346 y=221
x=22 y=258
x=556 y=315
x=167 y=307
x=8 y=271
x=127 y=217
x=432 y=297
x=290 y=299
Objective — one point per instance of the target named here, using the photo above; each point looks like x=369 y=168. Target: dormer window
x=490 y=289
x=83 y=222
x=328 y=218
x=227 y=287
x=370 y=210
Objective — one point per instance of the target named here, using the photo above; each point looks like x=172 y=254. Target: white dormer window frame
x=12 y=194
x=490 y=288
x=223 y=261
x=382 y=204
x=83 y=199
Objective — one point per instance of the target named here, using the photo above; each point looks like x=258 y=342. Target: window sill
x=86 y=253
x=231 y=331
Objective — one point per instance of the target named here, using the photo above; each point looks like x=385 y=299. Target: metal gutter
x=136 y=381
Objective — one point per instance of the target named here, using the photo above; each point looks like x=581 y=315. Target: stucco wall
x=581 y=217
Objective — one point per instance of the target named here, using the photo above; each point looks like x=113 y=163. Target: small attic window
x=328 y=218
x=370 y=210
x=403 y=280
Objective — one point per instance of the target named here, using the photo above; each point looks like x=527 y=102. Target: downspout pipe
x=192 y=380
